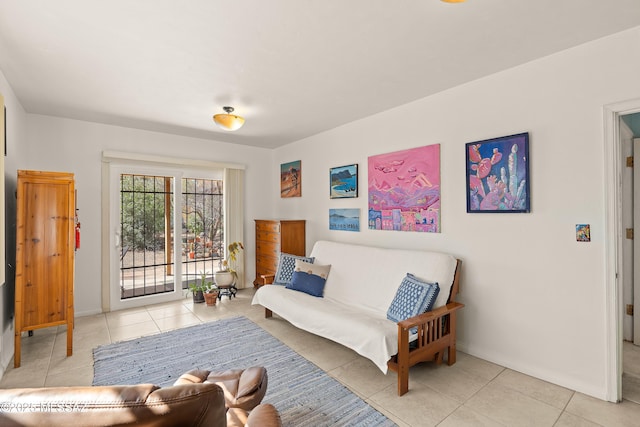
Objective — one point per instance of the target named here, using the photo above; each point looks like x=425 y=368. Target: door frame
x=635 y=260
x=120 y=158
x=613 y=245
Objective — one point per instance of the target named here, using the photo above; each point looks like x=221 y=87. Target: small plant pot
x=211 y=298
x=198 y=297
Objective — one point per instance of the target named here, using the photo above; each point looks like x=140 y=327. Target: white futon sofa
x=359 y=289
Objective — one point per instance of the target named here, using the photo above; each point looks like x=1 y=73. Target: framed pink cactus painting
x=498 y=174
x=404 y=190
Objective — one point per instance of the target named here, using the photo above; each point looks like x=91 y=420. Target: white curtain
x=234 y=216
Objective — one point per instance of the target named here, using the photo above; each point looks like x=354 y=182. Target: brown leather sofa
x=244 y=389
x=194 y=400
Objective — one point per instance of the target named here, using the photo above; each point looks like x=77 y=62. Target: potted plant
x=203 y=290
x=211 y=295
x=197 y=292
x=227 y=273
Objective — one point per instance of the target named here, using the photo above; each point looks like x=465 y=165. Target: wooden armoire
x=45 y=251
x=272 y=237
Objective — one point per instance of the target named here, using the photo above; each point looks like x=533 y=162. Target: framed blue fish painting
x=498 y=175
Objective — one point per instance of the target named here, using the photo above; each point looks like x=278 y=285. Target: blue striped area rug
x=303 y=393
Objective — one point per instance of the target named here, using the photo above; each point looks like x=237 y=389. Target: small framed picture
x=498 y=174
x=583 y=233
x=343 y=182
x=344 y=219
x=291 y=179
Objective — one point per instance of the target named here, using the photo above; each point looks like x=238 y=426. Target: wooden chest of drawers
x=275 y=236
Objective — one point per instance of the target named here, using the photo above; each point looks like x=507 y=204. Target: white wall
x=535 y=298
x=75 y=146
x=16 y=141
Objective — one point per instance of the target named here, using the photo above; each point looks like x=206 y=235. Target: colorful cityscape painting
x=344 y=219
x=404 y=190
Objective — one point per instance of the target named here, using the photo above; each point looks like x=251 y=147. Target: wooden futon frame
x=436 y=333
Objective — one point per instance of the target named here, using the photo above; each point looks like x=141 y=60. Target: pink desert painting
x=404 y=190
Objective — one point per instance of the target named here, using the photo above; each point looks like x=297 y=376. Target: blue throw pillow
x=286 y=266
x=309 y=278
x=413 y=297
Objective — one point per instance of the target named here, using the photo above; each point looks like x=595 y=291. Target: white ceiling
x=292 y=68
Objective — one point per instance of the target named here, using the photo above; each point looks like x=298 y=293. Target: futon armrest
x=268 y=278
x=423 y=318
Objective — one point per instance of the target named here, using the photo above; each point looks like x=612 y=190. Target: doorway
x=616 y=267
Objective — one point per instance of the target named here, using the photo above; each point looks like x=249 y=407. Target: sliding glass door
x=168 y=231
x=202 y=236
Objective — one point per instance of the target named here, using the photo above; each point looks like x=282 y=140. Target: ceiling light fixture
x=228 y=121
x=454 y=1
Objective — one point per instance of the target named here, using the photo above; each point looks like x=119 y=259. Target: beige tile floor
x=473 y=392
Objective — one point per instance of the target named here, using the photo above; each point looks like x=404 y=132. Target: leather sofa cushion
x=243 y=388
x=263 y=415
x=140 y=405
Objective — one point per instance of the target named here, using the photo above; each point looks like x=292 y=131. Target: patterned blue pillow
x=413 y=297
x=286 y=266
